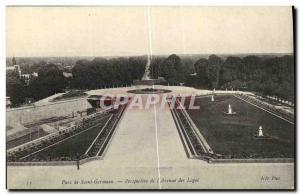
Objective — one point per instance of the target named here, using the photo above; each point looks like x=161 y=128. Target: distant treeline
x=100 y=72
x=49 y=82
x=272 y=76
x=269 y=76
x=87 y=74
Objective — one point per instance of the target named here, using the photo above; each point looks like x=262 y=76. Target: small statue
x=229 y=109
x=260 y=132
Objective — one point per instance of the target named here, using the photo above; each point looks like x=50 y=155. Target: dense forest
x=269 y=76
x=265 y=75
x=100 y=72
x=49 y=82
x=87 y=74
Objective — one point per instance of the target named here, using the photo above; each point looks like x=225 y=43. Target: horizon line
x=138 y=55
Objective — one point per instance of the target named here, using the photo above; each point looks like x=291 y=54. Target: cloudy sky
x=111 y=31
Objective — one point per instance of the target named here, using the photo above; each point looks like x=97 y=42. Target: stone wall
x=30 y=114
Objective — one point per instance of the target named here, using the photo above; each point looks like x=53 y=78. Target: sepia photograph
x=150 y=98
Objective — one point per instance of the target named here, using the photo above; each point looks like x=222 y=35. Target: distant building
x=14 y=61
x=8 y=102
x=29 y=100
x=25 y=78
x=10 y=68
x=67 y=74
x=68 y=68
x=17 y=69
x=35 y=74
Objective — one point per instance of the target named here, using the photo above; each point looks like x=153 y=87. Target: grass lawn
x=25 y=139
x=71 y=147
x=70 y=95
x=232 y=136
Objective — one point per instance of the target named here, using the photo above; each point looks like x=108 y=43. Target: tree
x=251 y=67
x=201 y=68
x=81 y=75
x=155 y=66
x=101 y=72
x=231 y=70
x=266 y=75
x=14 y=62
x=171 y=69
x=49 y=82
x=214 y=65
x=15 y=89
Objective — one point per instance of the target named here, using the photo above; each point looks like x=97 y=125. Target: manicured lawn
x=25 y=139
x=71 y=94
x=232 y=136
x=71 y=147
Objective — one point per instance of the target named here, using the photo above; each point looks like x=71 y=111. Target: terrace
x=233 y=137
x=78 y=142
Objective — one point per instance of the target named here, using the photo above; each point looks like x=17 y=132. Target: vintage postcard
x=150 y=98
